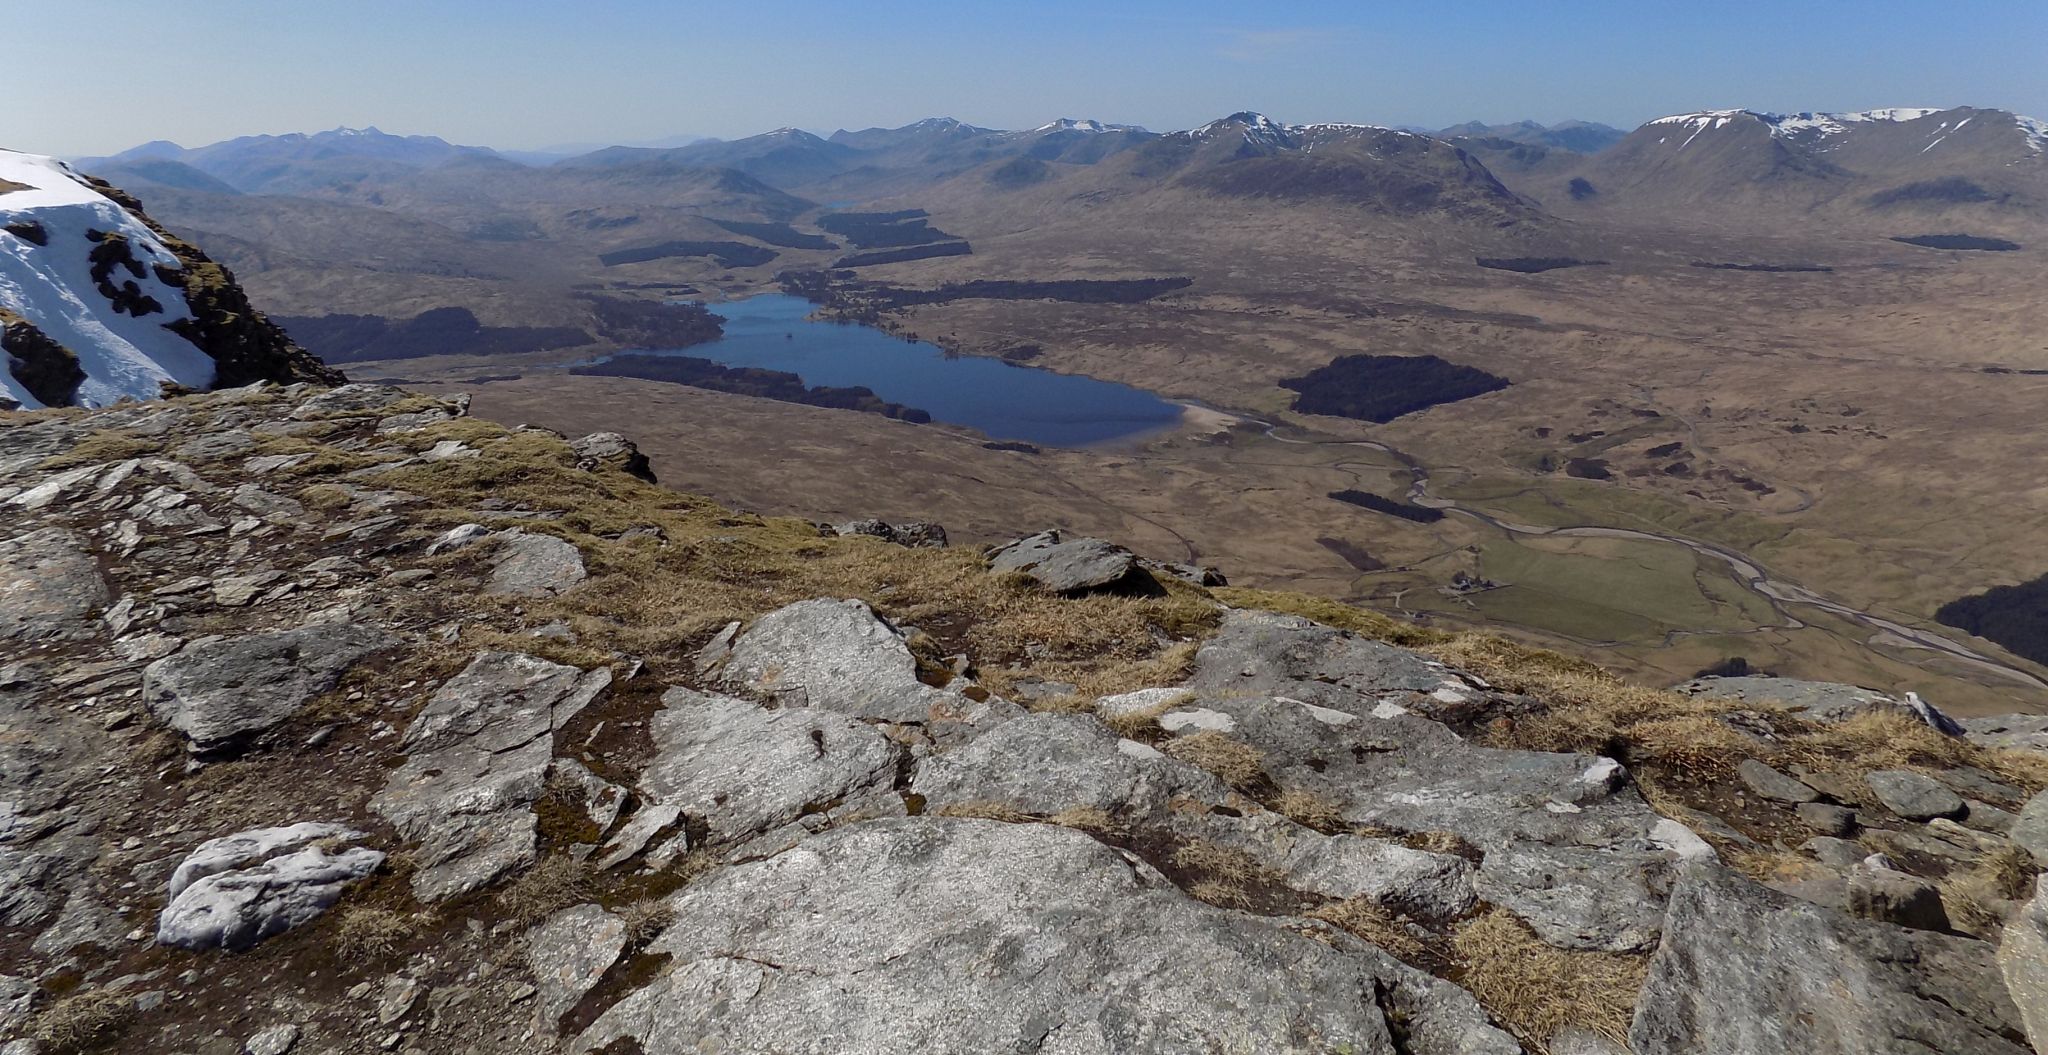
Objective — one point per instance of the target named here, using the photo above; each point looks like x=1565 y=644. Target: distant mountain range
x=1584 y=137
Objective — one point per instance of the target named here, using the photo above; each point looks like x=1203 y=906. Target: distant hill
x=1583 y=137
x=296 y=161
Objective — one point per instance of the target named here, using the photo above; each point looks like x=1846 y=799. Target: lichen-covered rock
x=1065 y=565
x=601 y=450
x=568 y=953
x=530 y=565
x=1743 y=970
x=218 y=692
x=2023 y=959
x=233 y=892
x=1821 y=701
x=1045 y=763
x=916 y=534
x=1914 y=796
x=955 y=935
x=2030 y=829
x=50 y=586
x=476 y=761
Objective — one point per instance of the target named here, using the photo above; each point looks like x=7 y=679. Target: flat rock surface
x=569 y=952
x=50 y=586
x=476 y=759
x=958 y=935
x=1744 y=970
x=1914 y=796
x=219 y=691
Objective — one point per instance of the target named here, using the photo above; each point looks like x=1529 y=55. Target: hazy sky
x=96 y=77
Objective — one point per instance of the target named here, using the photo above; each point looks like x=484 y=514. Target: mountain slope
x=1965 y=165
x=1582 y=137
x=99 y=304
x=282 y=164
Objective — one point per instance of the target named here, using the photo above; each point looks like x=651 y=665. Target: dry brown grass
x=1223 y=864
x=1234 y=762
x=1976 y=897
x=645 y=920
x=1088 y=819
x=366 y=934
x=1220 y=894
x=552 y=885
x=1376 y=925
x=83 y=1021
x=984 y=810
x=1309 y=810
x=1768 y=865
x=99 y=446
x=1536 y=990
x=1142 y=723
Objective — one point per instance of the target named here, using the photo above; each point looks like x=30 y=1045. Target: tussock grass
x=645 y=920
x=366 y=934
x=984 y=810
x=1088 y=819
x=1218 y=862
x=1536 y=990
x=1234 y=762
x=1977 y=897
x=102 y=445
x=549 y=887
x=83 y=1021
x=1375 y=925
x=1309 y=810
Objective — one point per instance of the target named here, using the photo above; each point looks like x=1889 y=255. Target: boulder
x=838 y=656
x=928 y=934
x=1914 y=796
x=2023 y=959
x=1826 y=818
x=1895 y=897
x=1771 y=784
x=744 y=769
x=218 y=692
x=1065 y=565
x=457 y=537
x=1821 y=701
x=50 y=586
x=476 y=760
x=1274 y=654
x=601 y=450
x=568 y=953
x=915 y=534
x=2030 y=830
x=530 y=565
x=1743 y=970
x=233 y=892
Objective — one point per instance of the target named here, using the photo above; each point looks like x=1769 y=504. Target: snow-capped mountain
x=97 y=304
x=1958 y=165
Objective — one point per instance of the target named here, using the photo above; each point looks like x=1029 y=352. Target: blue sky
x=96 y=77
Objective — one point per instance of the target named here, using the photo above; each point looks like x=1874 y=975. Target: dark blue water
x=1006 y=402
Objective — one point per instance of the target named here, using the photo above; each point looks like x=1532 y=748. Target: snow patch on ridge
x=51 y=286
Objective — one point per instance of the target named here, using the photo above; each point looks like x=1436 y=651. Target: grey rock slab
x=1065 y=565
x=530 y=565
x=929 y=934
x=457 y=537
x=1914 y=796
x=233 y=892
x=1743 y=970
x=838 y=655
x=744 y=769
x=1045 y=763
x=358 y=399
x=476 y=759
x=219 y=691
x=1291 y=657
x=1821 y=701
x=1985 y=817
x=1896 y=898
x=2023 y=960
x=2030 y=829
x=2019 y=732
x=1398 y=878
x=50 y=587
x=1771 y=784
x=568 y=953
x=1605 y=899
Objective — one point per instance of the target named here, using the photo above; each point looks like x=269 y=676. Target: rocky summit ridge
x=334 y=720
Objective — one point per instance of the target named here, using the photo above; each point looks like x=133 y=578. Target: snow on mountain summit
x=1817 y=126
x=98 y=305
x=66 y=245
